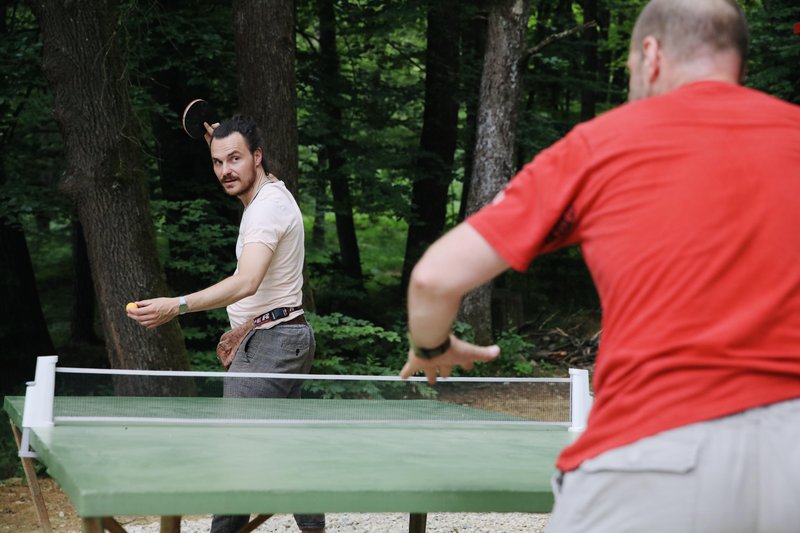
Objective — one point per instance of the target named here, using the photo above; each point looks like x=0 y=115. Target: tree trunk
x=23 y=327
x=22 y=323
x=434 y=164
x=105 y=176
x=265 y=51
x=318 y=229
x=83 y=298
x=473 y=49
x=331 y=158
x=501 y=87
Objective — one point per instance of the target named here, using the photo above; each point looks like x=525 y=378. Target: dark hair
x=690 y=27
x=248 y=129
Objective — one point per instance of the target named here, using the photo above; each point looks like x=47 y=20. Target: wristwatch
x=183 y=307
x=429 y=353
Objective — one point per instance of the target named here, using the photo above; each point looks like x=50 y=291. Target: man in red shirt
x=686 y=204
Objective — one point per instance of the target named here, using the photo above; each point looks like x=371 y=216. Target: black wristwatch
x=429 y=353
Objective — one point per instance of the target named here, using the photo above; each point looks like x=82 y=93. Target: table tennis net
x=84 y=396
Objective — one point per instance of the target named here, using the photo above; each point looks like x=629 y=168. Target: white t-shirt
x=272 y=219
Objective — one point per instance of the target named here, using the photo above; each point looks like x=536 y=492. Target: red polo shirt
x=687 y=210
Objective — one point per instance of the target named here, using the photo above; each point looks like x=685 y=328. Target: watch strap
x=183 y=307
x=429 y=353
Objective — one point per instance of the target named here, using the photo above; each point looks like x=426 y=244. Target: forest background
x=390 y=120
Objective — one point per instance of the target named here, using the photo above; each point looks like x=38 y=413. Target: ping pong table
x=296 y=464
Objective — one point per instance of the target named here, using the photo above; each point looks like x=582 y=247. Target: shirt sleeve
x=538 y=211
x=264 y=225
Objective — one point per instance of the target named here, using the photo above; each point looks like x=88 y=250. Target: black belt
x=275 y=314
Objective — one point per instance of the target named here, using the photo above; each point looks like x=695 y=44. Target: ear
x=652 y=58
x=258 y=155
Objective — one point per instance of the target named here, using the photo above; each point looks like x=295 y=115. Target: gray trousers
x=739 y=473
x=287 y=349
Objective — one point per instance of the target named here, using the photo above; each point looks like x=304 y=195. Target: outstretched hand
x=460 y=353
x=152 y=313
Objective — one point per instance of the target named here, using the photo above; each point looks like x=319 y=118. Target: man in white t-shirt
x=264 y=295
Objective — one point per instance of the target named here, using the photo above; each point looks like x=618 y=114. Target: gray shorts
x=739 y=473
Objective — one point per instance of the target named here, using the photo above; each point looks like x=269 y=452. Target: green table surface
x=141 y=469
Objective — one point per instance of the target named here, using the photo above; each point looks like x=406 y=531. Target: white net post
x=580 y=399
x=38 y=410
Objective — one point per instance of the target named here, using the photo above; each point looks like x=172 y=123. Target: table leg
x=110 y=524
x=417 y=522
x=33 y=484
x=92 y=525
x=254 y=523
x=170 y=524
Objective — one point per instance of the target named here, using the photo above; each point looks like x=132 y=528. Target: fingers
x=461 y=354
x=480 y=353
x=209 y=131
x=135 y=311
x=407 y=371
x=152 y=313
x=430 y=373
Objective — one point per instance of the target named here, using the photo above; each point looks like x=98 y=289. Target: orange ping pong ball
x=130 y=306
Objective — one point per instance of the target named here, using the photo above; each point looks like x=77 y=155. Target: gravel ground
x=386 y=523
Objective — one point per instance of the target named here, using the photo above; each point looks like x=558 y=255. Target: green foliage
x=380 y=96
x=195 y=238
x=205 y=361
x=382 y=245
x=516 y=355
x=29 y=140
x=350 y=346
x=360 y=343
x=10 y=465
x=516 y=352
x=193 y=38
x=774 y=49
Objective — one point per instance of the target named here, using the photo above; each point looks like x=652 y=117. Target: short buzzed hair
x=688 y=28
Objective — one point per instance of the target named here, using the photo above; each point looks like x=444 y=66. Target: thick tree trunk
x=331 y=158
x=83 y=298
x=105 y=176
x=501 y=87
x=434 y=164
x=265 y=51
x=23 y=327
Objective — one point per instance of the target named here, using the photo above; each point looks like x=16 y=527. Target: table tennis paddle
x=797 y=28
x=196 y=113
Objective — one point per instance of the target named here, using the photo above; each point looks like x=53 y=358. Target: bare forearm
x=228 y=291
x=253 y=265
x=431 y=310
x=454 y=265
